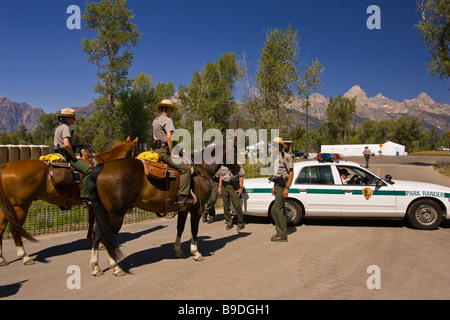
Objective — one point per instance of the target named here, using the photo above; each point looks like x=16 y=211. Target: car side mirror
x=388 y=178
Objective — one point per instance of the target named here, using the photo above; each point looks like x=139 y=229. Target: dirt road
x=326 y=259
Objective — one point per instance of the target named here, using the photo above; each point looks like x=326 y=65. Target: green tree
x=434 y=28
x=209 y=96
x=136 y=108
x=110 y=52
x=44 y=132
x=339 y=118
x=408 y=132
x=84 y=132
x=309 y=83
x=134 y=111
x=443 y=140
x=369 y=132
x=276 y=79
x=277 y=82
x=385 y=130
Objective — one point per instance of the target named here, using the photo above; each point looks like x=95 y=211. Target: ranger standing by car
x=283 y=176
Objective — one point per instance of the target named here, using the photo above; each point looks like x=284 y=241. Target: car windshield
x=315 y=175
x=356 y=176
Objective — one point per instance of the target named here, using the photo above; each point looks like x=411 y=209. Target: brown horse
x=22 y=182
x=121 y=184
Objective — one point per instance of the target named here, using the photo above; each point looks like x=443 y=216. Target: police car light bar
x=329 y=157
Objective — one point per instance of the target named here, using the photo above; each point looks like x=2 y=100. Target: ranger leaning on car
x=283 y=176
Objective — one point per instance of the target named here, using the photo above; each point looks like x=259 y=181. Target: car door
x=318 y=192
x=362 y=196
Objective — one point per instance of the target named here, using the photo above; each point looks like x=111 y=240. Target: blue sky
x=42 y=63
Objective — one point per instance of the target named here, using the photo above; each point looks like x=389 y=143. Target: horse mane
x=114 y=149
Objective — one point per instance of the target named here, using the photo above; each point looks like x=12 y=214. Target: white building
x=351 y=150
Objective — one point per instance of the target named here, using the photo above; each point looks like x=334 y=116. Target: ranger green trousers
x=182 y=168
x=210 y=210
x=82 y=167
x=278 y=215
x=228 y=193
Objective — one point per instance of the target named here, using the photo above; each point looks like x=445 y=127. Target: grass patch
x=443 y=168
x=44 y=218
x=430 y=153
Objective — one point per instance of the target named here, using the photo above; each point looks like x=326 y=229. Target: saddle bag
x=60 y=173
x=155 y=170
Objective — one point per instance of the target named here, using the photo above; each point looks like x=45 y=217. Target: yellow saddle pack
x=52 y=158
x=149 y=155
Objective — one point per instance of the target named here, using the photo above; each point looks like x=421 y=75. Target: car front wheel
x=425 y=214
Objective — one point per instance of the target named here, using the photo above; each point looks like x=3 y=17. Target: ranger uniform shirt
x=161 y=126
x=283 y=164
x=227 y=175
x=62 y=132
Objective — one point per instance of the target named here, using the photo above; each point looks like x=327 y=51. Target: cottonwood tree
x=209 y=96
x=339 y=118
x=434 y=28
x=277 y=82
x=111 y=52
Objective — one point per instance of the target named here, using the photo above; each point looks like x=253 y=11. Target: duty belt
x=280 y=181
x=158 y=144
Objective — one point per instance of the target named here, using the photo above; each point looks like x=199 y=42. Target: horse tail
x=108 y=237
x=9 y=212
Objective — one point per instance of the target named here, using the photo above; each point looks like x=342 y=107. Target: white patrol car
x=318 y=191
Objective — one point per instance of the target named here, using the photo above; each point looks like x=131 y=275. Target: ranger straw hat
x=279 y=141
x=167 y=103
x=67 y=113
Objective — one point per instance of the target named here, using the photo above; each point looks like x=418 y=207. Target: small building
x=351 y=150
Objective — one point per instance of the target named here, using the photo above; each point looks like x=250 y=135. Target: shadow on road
x=11 y=289
x=166 y=251
x=82 y=244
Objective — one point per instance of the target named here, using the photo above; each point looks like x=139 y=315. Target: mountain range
x=432 y=114
x=14 y=114
x=379 y=108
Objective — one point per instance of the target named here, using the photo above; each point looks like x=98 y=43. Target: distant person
x=367 y=153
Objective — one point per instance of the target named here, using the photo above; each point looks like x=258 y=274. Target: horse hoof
x=4 y=263
x=200 y=258
x=97 y=274
x=120 y=273
x=29 y=262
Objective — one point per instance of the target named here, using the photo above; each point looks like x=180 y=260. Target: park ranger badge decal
x=367 y=192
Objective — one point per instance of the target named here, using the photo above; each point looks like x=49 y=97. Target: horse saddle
x=159 y=170
x=155 y=168
x=61 y=173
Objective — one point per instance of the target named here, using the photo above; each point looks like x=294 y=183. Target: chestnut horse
x=119 y=185
x=23 y=181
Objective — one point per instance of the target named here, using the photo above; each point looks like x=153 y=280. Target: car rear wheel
x=425 y=214
x=293 y=212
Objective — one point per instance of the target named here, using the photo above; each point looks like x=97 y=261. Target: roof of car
x=317 y=163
